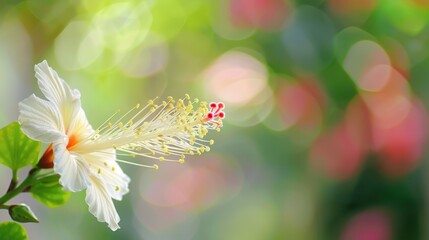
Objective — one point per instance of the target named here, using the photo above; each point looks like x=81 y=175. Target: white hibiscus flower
x=87 y=159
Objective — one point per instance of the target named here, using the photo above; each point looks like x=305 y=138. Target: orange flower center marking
x=47 y=159
x=72 y=141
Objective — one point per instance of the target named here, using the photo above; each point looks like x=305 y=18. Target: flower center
x=72 y=141
x=47 y=159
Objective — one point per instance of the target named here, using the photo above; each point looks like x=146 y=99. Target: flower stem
x=13 y=181
x=4 y=207
x=27 y=182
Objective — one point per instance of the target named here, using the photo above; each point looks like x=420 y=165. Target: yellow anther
x=120 y=125
x=138 y=105
x=155 y=166
x=105 y=164
x=189 y=108
x=181 y=160
x=205 y=131
x=99 y=170
x=113 y=169
x=114 y=146
x=211 y=142
x=161 y=158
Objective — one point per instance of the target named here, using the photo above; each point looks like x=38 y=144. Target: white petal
x=58 y=92
x=40 y=120
x=80 y=126
x=100 y=203
x=72 y=168
x=103 y=165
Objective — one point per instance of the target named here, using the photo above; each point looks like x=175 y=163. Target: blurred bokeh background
x=327 y=112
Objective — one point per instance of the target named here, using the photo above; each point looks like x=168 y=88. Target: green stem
x=14 y=180
x=15 y=175
x=4 y=207
x=27 y=182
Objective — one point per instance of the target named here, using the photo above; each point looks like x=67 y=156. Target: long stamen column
x=165 y=131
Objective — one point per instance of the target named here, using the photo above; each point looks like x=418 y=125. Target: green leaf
x=22 y=213
x=16 y=149
x=49 y=191
x=12 y=231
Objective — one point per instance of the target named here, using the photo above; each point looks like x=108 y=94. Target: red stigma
x=215 y=113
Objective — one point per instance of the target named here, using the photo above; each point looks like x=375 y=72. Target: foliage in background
x=327 y=126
